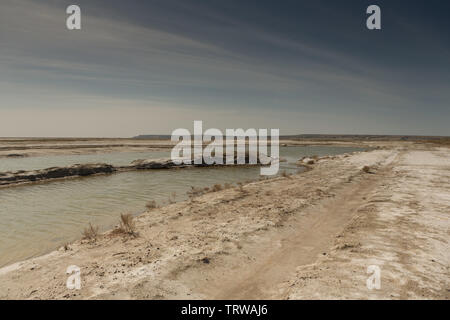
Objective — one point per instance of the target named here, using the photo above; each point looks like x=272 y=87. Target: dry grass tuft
x=195 y=191
x=366 y=169
x=285 y=174
x=151 y=205
x=241 y=188
x=90 y=233
x=173 y=197
x=439 y=142
x=127 y=224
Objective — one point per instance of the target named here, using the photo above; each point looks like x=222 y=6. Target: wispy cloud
x=195 y=56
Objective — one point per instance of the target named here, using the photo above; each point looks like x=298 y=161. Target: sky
x=149 y=67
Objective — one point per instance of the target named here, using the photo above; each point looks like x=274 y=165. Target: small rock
x=206 y=260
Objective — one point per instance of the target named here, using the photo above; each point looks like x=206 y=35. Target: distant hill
x=153 y=137
x=359 y=137
x=324 y=137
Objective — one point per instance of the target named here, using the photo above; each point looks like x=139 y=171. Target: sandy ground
x=306 y=236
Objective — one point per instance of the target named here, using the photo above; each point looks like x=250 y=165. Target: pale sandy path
x=310 y=234
x=403 y=228
x=313 y=235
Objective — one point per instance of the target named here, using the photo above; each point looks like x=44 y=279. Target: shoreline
x=9 y=148
x=58 y=173
x=259 y=220
x=21 y=177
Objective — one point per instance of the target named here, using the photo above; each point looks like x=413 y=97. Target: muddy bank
x=80 y=170
x=84 y=170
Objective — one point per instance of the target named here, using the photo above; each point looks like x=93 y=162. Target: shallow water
x=38 y=218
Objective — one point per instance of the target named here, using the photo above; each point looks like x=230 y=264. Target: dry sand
x=306 y=236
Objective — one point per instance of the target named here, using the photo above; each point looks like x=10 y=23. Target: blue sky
x=149 y=67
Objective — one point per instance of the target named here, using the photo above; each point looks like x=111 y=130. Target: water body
x=38 y=218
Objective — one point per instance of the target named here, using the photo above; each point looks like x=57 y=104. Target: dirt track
x=311 y=235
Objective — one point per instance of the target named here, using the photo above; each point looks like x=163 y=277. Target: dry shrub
x=194 y=192
x=285 y=174
x=151 y=205
x=173 y=197
x=366 y=169
x=90 y=233
x=127 y=224
x=440 y=141
x=206 y=260
x=241 y=188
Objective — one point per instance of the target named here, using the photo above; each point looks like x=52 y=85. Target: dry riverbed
x=310 y=235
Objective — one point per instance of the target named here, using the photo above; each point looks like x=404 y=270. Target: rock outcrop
x=142 y=164
x=16 y=155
